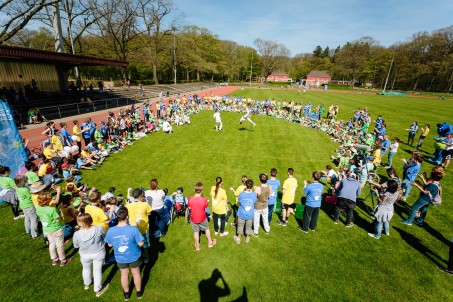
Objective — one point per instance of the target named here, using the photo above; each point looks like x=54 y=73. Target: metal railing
x=65 y=110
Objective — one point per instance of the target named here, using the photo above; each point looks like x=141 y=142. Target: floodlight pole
x=388 y=74
x=174 y=51
x=251 y=70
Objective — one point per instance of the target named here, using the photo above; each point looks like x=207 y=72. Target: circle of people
x=106 y=221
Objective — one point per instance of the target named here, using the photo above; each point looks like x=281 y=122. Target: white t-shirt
x=217 y=117
x=396 y=145
x=166 y=126
x=155 y=199
x=332 y=174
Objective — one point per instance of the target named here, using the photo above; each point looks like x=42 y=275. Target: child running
x=246 y=116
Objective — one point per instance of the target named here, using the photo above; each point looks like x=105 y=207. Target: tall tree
x=273 y=55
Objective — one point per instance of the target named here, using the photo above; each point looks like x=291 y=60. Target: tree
x=318 y=51
x=273 y=55
x=15 y=15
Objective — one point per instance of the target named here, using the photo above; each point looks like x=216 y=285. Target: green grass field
x=332 y=264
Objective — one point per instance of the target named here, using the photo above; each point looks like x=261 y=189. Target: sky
x=302 y=25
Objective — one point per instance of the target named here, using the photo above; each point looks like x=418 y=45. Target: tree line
x=151 y=36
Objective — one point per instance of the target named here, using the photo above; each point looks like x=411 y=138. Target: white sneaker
x=216 y=233
x=224 y=234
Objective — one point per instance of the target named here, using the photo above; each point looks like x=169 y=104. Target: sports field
x=334 y=263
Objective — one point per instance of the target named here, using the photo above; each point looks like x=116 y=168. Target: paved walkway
x=34 y=132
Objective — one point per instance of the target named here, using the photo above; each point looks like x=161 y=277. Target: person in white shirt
x=218 y=120
x=166 y=126
x=246 y=116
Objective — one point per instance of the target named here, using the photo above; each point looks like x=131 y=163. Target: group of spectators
x=106 y=220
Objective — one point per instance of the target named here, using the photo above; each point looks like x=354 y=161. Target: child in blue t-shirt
x=246 y=212
x=275 y=185
x=313 y=193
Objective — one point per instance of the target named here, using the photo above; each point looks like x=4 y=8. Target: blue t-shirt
x=385 y=146
x=314 y=192
x=246 y=205
x=125 y=241
x=275 y=185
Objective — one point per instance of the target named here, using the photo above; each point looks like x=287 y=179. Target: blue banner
x=12 y=152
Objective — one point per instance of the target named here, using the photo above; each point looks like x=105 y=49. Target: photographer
x=347 y=193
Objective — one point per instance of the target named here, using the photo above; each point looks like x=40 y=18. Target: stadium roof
x=28 y=54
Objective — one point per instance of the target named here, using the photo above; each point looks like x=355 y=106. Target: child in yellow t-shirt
x=289 y=193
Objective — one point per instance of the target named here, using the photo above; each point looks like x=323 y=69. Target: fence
x=65 y=110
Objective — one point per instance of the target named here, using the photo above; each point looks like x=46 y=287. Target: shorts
x=134 y=264
x=197 y=227
x=146 y=243
x=447 y=154
x=289 y=206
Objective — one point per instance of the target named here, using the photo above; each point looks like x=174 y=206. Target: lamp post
x=174 y=51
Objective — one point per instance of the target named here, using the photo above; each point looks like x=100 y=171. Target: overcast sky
x=302 y=25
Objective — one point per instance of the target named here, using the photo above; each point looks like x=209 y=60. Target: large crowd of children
x=100 y=221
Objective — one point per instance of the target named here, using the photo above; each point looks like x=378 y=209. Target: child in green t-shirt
x=27 y=206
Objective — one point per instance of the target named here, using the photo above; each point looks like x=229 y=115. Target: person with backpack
x=430 y=192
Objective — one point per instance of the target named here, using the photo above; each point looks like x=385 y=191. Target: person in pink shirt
x=198 y=205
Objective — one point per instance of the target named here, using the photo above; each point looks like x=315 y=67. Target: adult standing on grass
x=347 y=193
x=313 y=192
x=428 y=191
x=413 y=129
x=289 y=193
x=155 y=198
x=198 y=205
x=274 y=183
x=89 y=239
x=247 y=200
x=392 y=151
x=261 y=206
x=384 y=211
x=219 y=206
x=218 y=120
x=236 y=192
x=411 y=169
x=126 y=241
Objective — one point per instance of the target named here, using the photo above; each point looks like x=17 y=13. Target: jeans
x=406 y=185
x=56 y=242
x=96 y=259
x=270 y=211
x=159 y=215
x=415 y=207
x=410 y=138
x=310 y=218
x=349 y=204
x=390 y=158
x=31 y=221
x=256 y=220
x=215 y=217
x=378 y=228
x=248 y=226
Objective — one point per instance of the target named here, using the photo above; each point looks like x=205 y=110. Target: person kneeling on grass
x=90 y=242
x=198 y=205
x=247 y=200
x=313 y=192
x=384 y=211
x=126 y=241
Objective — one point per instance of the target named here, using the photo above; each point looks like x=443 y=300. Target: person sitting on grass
x=247 y=200
x=384 y=211
x=52 y=226
x=90 y=242
x=198 y=205
x=138 y=216
x=126 y=241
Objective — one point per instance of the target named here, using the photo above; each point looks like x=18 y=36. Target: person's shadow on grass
x=157 y=247
x=244 y=129
x=416 y=243
x=210 y=291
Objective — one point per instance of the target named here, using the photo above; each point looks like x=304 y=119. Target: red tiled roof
x=318 y=73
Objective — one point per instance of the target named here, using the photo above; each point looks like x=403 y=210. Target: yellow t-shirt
x=67 y=218
x=138 y=215
x=98 y=216
x=425 y=132
x=377 y=157
x=289 y=190
x=48 y=153
x=238 y=191
x=76 y=131
x=43 y=169
x=219 y=202
x=57 y=143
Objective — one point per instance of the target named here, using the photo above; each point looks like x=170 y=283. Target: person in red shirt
x=198 y=205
